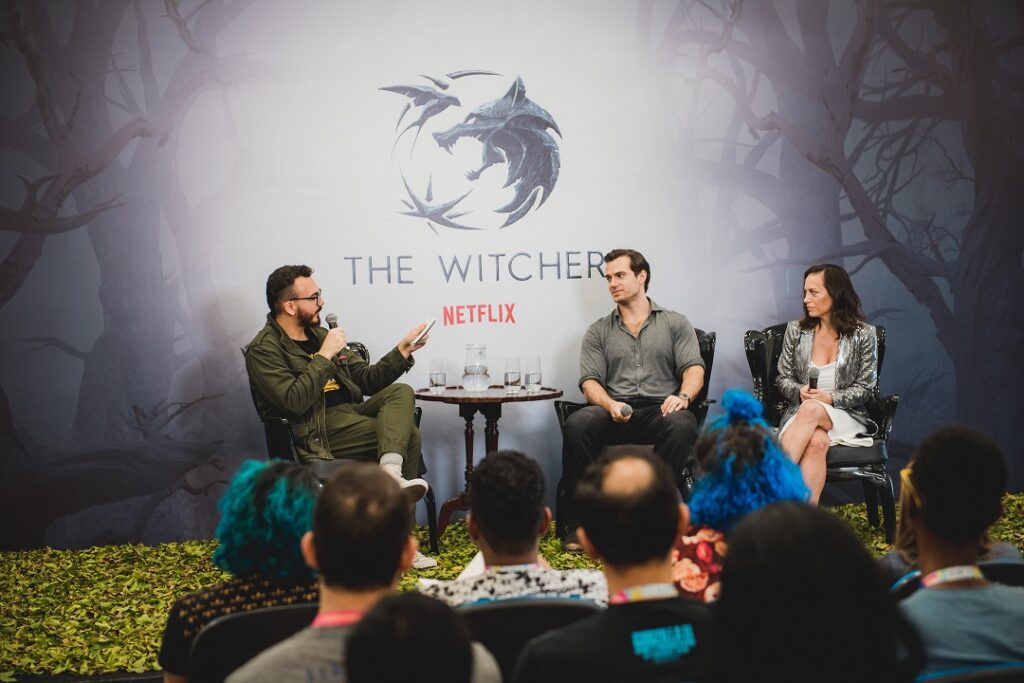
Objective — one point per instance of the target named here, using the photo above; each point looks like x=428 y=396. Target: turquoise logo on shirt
x=665 y=644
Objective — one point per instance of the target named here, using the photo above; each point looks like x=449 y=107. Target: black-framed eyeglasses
x=316 y=296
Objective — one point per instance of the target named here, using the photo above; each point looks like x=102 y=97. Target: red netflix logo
x=479 y=313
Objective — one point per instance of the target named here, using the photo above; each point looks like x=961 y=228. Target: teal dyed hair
x=743 y=466
x=264 y=512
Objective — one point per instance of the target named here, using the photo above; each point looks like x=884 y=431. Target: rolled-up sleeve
x=593 y=362
x=686 y=348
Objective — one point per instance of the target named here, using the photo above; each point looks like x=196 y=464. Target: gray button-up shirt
x=649 y=365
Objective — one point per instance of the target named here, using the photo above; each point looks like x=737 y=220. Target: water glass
x=438 y=380
x=533 y=374
x=513 y=378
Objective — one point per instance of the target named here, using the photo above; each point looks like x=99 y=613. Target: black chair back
x=230 y=641
x=505 y=626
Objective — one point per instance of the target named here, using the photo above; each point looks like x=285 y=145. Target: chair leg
x=560 y=509
x=431 y=519
x=871 y=502
x=888 y=509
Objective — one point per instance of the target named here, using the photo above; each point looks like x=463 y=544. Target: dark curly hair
x=279 y=284
x=265 y=511
x=508 y=500
x=846 y=310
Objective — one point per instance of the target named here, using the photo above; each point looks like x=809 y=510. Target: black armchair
x=278 y=435
x=698 y=406
x=230 y=641
x=844 y=463
x=504 y=627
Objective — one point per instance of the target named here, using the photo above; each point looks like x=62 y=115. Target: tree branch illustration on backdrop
x=102 y=132
x=870 y=136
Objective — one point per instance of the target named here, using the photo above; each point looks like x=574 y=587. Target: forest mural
x=156 y=164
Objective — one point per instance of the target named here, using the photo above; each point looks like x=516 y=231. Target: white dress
x=844 y=427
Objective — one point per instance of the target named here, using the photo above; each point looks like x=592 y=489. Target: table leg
x=492 y=413
x=461 y=501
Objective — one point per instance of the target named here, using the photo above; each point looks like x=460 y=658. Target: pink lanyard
x=338 y=618
x=963 y=572
x=647 y=591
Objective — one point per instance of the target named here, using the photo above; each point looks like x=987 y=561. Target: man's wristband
x=685 y=396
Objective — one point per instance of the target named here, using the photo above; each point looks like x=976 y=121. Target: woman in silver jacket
x=833 y=338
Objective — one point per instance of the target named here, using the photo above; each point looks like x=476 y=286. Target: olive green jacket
x=286 y=382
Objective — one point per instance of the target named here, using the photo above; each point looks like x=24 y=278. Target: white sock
x=392 y=460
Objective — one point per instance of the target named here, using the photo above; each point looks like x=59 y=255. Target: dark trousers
x=589 y=430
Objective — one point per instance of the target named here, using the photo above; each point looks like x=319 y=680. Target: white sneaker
x=421 y=561
x=414 y=488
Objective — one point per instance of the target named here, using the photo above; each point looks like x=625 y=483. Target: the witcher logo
x=477 y=171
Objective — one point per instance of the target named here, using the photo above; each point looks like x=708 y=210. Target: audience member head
x=264 y=512
x=846 y=313
x=507 y=507
x=637 y=263
x=279 y=285
x=952 y=490
x=741 y=466
x=802 y=600
x=629 y=508
x=360 y=539
x=409 y=637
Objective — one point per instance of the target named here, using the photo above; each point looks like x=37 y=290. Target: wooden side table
x=488 y=403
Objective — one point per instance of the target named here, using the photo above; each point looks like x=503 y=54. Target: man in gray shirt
x=360 y=545
x=640 y=356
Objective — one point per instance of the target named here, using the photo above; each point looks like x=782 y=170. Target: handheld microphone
x=812 y=377
x=626 y=410
x=332 y=322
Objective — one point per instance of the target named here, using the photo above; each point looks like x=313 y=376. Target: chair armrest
x=563 y=409
x=882 y=409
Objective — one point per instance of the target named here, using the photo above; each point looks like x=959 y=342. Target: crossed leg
x=806 y=441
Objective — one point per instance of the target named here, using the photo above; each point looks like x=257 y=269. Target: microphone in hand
x=332 y=322
x=626 y=410
x=812 y=377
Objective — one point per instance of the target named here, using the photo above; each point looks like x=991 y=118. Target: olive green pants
x=383 y=423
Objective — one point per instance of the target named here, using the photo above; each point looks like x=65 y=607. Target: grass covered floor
x=102 y=610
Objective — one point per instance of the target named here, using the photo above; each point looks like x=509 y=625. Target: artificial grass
x=102 y=610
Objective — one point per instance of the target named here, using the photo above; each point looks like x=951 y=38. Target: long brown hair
x=846 y=310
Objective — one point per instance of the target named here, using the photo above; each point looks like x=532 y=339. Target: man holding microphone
x=304 y=372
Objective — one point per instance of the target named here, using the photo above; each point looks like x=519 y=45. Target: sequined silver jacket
x=856 y=371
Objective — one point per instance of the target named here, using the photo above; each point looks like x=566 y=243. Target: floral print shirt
x=697 y=563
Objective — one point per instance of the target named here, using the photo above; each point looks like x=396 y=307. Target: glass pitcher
x=475 y=377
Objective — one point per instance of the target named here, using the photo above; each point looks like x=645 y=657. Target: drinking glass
x=533 y=374
x=513 y=378
x=438 y=380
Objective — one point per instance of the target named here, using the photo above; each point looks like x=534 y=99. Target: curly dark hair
x=508 y=500
x=265 y=511
x=846 y=310
x=637 y=263
x=279 y=284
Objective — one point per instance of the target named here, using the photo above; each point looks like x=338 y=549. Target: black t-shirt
x=333 y=393
x=650 y=640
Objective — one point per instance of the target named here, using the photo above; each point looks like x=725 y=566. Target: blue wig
x=265 y=511
x=736 y=483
